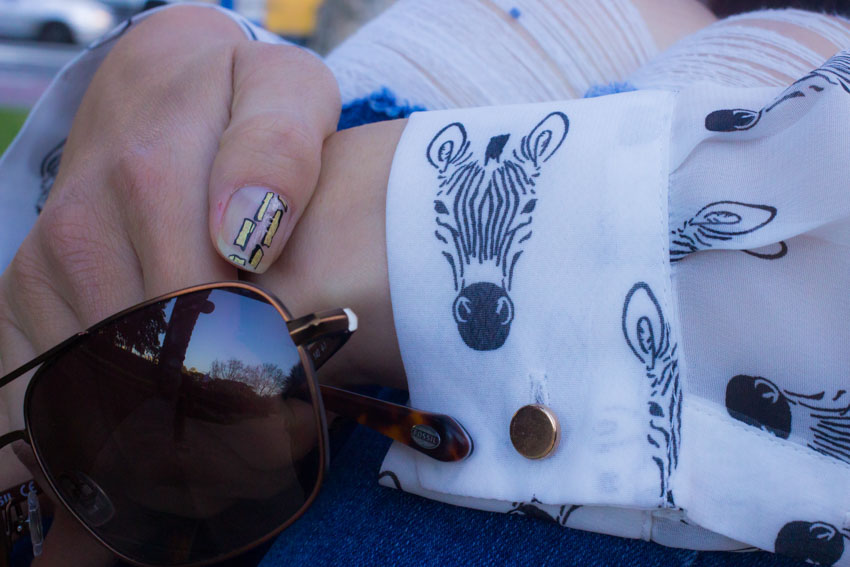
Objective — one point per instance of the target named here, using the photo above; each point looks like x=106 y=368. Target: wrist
x=336 y=256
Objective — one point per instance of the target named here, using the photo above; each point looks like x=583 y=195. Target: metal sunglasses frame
x=317 y=336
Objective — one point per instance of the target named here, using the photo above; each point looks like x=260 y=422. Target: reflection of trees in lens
x=232 y=391
x=140 y=332
x=264 y=379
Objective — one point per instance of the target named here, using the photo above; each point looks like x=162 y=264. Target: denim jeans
x=354 y=521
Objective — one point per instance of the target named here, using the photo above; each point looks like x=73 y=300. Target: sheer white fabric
x=749 y=50
x=493 y=51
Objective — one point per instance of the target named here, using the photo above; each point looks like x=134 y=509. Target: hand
x=337 y=257
x=183 y=112
x=205 y=108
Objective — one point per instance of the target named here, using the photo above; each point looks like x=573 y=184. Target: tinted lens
x=182 y=432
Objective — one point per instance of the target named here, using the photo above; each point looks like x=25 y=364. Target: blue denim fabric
x=354 y=521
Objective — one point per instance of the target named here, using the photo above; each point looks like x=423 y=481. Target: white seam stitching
x=772 y=439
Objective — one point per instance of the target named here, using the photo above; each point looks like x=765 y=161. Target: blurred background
x=37 y=37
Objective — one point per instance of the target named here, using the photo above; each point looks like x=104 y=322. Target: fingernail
x=251 y=228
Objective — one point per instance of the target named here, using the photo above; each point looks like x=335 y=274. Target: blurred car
x=123 y=9
x=61 y=21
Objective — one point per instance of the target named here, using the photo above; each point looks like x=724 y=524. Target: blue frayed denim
x=377 y=107
x=610 y=88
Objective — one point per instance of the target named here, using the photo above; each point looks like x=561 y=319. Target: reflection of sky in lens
x=243 y=328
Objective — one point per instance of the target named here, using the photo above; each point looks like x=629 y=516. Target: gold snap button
x=535 y=431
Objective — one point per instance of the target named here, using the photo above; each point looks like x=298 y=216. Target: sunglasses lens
x=184 y=431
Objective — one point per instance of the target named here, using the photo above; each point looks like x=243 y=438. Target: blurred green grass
x=11 y=121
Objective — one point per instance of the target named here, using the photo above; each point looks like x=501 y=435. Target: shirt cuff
x=534 y=258
x=522 y=273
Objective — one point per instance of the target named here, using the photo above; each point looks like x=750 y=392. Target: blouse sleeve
x=665 y=274
x=29 y=166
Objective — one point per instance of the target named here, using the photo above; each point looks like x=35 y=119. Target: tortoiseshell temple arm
x=436 y=435
x=439 y=436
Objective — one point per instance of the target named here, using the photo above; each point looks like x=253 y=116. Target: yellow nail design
x=261 y=212
x=272 y=230
x=245 y=233
x=250 y=224
x=256 y=256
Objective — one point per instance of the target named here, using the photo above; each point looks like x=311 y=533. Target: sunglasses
x=192 y=427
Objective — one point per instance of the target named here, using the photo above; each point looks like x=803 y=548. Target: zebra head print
x=760 y=403
x=548 y=512
x=48 y=170
x=718 y=223
x=815 y=543
x=484 y=209
x=835 y=72
x=649 y=337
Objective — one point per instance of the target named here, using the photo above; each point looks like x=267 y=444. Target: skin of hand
x=336 y=257
x=183 y=112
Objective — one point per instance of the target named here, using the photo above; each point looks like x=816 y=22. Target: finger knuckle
x=29 y=299
x=142 y=175
x=181 y=25
x=279 y=144
x=247 y=55
x=296 y=67
x=25 y=276
x=70 y=247
x=9 y=324
x=170 y=51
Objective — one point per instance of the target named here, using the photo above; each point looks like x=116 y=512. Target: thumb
x=285 y=103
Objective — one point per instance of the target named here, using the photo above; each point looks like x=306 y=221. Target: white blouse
x=663 y=270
